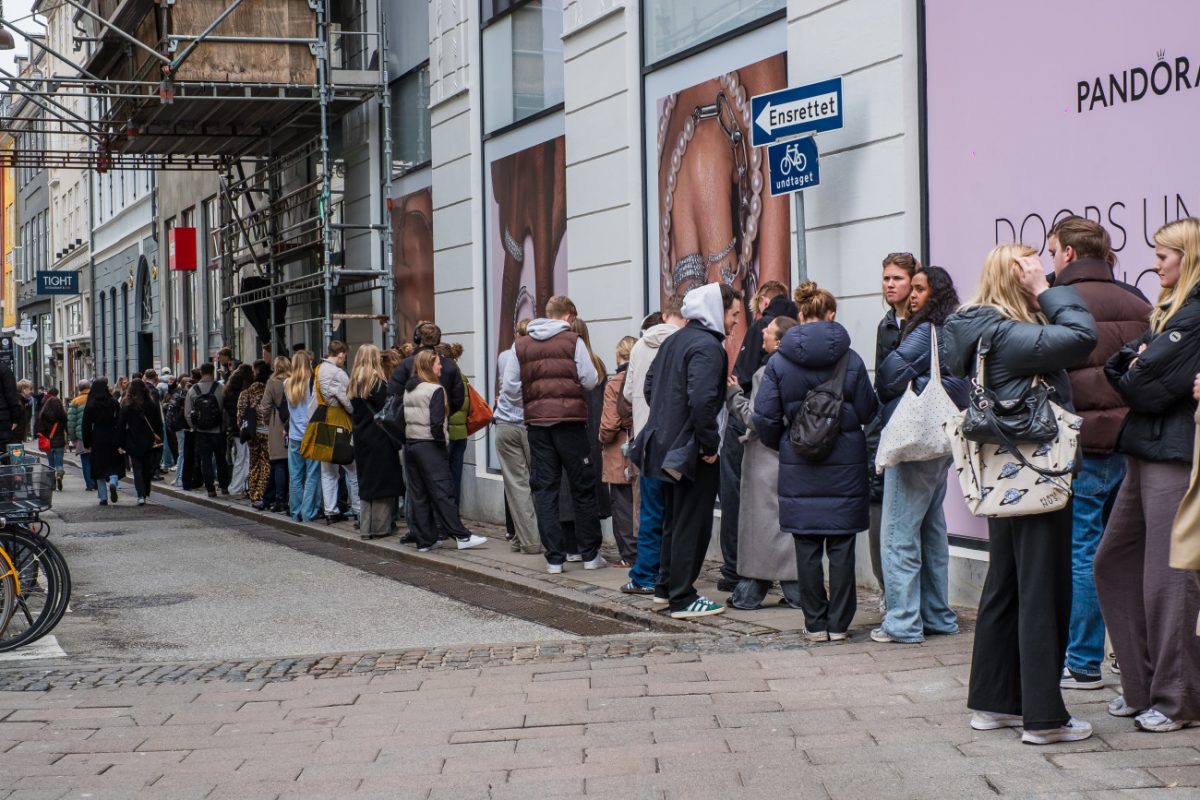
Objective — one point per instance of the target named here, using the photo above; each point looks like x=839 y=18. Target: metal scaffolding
x=254 y=89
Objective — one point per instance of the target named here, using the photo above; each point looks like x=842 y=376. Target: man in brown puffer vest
x=551 y=371
x=1083 y=258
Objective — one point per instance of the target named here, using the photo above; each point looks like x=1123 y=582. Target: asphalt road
x=155 y=583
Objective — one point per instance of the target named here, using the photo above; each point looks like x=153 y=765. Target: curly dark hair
x=942 y=302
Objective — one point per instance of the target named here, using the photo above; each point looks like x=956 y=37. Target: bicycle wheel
x=8 y=592
x=45 y=587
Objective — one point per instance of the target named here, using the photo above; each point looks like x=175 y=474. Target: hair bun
x=806 y=291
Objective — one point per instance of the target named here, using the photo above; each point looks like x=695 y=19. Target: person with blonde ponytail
x=304 y=493
x=1024 y=612
x=1150 y=608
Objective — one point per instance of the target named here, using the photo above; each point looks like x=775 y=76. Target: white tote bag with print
x=915 y=432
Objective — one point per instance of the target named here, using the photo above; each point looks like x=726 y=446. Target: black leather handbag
x=1028 y=418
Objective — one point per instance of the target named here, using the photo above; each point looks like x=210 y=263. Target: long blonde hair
x=423 y=363
x=281 y=367
x=367 y=371
x=580 y=327
x=1182 y=236
x=296 y=385
x=1000 y=287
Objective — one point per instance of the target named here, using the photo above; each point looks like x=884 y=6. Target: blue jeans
x=54 y=458
x=916 y=552
x=1095 y=488
x=650 y=533
x=304 y=492
x=85 y=464
x=102 y=487
x=168 y=460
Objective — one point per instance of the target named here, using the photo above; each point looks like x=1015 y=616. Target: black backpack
x=174 y=413
x=814 y=430
x=206 y=411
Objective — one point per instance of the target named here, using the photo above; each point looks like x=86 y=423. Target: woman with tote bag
x=916 y=550
x=1024 y=611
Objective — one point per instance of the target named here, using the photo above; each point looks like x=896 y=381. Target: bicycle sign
x=793 y=166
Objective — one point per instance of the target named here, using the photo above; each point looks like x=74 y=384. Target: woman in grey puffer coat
x=1024 y=612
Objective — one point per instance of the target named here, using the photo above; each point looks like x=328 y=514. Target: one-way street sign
x=798 y=109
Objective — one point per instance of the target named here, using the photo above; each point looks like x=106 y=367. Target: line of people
x=1055 y=579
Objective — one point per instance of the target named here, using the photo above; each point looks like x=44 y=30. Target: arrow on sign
x=805 y=110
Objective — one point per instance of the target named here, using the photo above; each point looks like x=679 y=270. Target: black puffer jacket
x=752 y=357
x=685 y=388
x=1021 y=350
x=830 y=497
x=1158 y=388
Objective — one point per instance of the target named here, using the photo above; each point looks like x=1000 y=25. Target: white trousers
x=241 y=467
x=329 y=486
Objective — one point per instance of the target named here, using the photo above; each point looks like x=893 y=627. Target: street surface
x=156 y=583
x=209 y=663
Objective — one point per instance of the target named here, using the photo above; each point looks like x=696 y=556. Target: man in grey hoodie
x=550 y=372
x=679 y=445
x=643 y=576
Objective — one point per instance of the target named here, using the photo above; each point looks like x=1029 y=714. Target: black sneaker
x=633 y=588
x=726 y=585
x=212 y=492
x=112 y=493
x=1080 y=680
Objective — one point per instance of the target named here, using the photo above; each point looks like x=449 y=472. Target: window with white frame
x=672 y=26
x=522 y=61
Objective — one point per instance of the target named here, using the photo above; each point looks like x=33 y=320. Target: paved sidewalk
x=834 y=722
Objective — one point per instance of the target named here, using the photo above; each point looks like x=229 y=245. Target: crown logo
x=1162 y=55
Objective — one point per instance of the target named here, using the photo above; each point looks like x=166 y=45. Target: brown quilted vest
x=550 y=381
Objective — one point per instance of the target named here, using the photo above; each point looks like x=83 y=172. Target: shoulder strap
x=935 y=358
x=985 y=346
x=839 y=375
x=317 y=385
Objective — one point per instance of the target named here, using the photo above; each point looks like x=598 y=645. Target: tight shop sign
x=57 y=282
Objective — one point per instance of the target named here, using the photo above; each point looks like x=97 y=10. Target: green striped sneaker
x=700 y=607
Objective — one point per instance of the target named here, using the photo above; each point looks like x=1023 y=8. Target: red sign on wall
x=181 y=249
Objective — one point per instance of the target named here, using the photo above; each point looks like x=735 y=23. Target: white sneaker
x=994 y=720
x=1077 y=680
x=1076 y=730
x=814 y=636
x=1154 y=721
x=662 y=601
x=1119 y=708
x=839 y=636
x=880 y=635
x=471 y=541
x=596 y=563
x=554 y=569
x=574 y=557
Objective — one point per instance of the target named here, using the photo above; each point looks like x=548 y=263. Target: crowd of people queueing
x=682 y=426
x=676 y=426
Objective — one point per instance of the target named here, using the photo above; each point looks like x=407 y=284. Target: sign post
x=779 y=120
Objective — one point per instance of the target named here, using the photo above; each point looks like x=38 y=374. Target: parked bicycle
x=36 y=583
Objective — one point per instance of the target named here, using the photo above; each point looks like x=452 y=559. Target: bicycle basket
x=25 y=488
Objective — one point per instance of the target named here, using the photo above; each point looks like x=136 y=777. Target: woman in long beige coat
x=273 y=411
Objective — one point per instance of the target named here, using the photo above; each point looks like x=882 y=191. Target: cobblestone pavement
x=644 y=717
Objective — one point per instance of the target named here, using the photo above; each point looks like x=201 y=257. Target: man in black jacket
x=685 y=387
x=427 y=337
x=773 y=302
x=12 y=409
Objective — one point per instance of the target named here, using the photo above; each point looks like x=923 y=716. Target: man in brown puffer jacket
x=1083 y=258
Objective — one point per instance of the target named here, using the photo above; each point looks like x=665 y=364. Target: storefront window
x=410 y=122
x=522 y=63
x=672 y=26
